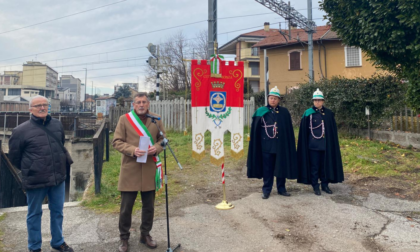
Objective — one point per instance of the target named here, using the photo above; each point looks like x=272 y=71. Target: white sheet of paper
x=143 y=145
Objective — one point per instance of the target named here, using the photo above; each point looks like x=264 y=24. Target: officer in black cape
x=272 y=149
x=318 y=152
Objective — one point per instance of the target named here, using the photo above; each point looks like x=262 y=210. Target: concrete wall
x=81 y=151
x=401 y=138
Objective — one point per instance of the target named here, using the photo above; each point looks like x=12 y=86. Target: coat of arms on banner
x=217 y=100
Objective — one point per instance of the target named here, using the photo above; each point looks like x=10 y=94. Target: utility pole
x=91 y=105
x=84 y=100
x=212 y=27
x=310 y=44
x=307 y=24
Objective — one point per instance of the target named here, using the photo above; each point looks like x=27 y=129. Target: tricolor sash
x=143 y=131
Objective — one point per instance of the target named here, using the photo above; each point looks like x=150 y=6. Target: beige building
x=243 y=48
x=35 y=79
x=288 y=58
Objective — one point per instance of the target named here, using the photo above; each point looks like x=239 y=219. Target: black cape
x=332 y=161
x=286 y=166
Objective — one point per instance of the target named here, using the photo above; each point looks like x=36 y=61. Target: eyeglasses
x=40 y=106
x=318 y=100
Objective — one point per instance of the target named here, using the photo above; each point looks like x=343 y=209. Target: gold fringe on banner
x=215 y=161
x=237 y=155
x=198 y=156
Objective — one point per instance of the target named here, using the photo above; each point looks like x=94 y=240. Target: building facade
x=243 y=49
x=288 y=58
x=35 y=79
x=74 y=84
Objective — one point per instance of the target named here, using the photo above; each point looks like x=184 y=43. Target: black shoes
x=265 y=196
x=63 y=248
x=327 y=190
x=286 y=194
x=317 y=191
x=36 y=250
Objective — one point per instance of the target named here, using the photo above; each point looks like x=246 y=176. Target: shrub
x=347 y=98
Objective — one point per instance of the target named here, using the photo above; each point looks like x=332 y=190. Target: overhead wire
x=55 y=19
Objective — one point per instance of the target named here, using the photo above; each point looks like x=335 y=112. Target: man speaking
x=136 y=176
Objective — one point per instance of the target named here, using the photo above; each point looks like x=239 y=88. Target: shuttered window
x=353 y=56
x=294 y=61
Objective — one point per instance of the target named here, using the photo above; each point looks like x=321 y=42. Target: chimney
x=266 y=26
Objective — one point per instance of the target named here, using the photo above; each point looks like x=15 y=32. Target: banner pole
x=224 y=205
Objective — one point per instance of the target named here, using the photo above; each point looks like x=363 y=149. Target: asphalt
x=303 y=222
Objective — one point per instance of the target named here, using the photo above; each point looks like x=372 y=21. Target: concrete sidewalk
x=303 y=222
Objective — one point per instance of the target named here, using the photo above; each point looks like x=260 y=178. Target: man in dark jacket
x=42 y=163
x=272 y=151
x=318 y=151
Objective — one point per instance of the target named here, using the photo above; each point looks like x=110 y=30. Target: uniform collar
x=318 y=110
x=274 y=109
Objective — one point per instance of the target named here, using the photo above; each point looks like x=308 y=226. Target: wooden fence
x=405 y=120
x=175 y=114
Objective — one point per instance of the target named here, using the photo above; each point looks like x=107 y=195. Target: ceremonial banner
x=217 y=100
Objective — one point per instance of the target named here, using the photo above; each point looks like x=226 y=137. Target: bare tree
x=173 y=52
x=201 y=45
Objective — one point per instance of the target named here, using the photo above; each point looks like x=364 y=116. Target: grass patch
x=360 y=156
x=194 y=172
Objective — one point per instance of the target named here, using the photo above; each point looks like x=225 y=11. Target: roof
x=62 y=88
x=298 y=35
x=106 y=98
x=90 y=100
x=254 y=36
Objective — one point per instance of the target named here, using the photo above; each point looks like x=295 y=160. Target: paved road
x=303 y=222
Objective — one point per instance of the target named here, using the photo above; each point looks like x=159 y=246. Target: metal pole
x=266 y=75
x=310 y=43
x=212 y=26
x=157 y=75
x=157 y=86
x=91 y=105
x=84 y=100
x=290 y=24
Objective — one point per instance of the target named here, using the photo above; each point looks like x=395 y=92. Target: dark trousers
x=317 y=168
x=126 y=210
x=269 y=164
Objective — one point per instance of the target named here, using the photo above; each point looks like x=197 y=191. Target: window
x=98 y=103
x=294 y=60
x=255 y=68
x=14 y=92
x=254 y=51
x=353 y=56
x=26 y=92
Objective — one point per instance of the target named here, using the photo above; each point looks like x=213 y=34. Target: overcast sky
x=124 y=18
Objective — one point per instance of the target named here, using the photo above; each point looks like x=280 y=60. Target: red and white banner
x=217 y=100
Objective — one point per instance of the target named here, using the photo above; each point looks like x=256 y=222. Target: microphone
x=153 y=117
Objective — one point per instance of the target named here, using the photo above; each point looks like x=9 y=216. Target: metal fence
x=175 y=114
x=76 y=125
x=11 y=193
x=100 y=149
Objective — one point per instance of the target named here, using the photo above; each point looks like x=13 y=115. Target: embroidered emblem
x=217 y=144
x=236 y=140
x=198 y=141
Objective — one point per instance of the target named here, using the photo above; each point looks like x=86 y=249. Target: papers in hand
x=144 y=146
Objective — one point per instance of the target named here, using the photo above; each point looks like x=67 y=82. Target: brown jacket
x=135 y=176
